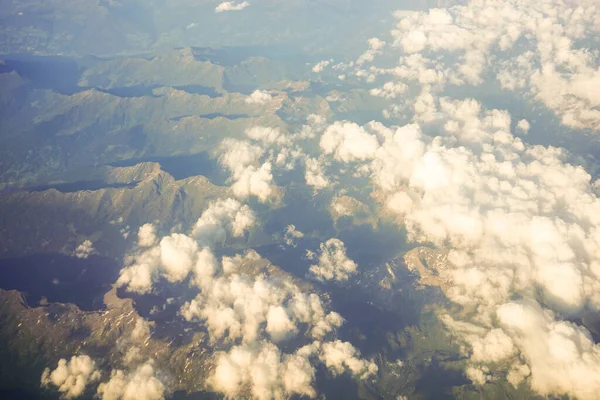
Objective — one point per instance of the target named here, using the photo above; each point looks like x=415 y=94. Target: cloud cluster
x=71 y=377
x=375 y=47
x=237 y=305
x=272 y=375
x=536 y=48
x=84 y=250
x=252 y=161
x=248 y=305
x=520 y=223
x=333 y=264
x=176 y=255
x=137 y=381
x=231 y=6
x=139 y=384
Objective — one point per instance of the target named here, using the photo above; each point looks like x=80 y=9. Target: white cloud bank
x=540 y=49
x=520 y=223
x=248 y=308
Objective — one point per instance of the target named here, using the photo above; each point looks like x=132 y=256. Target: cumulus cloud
x=84 y=250
x=348 y=142
x=231 y=6
x=333 y=264
x=321 y=65
x=147 y=235
x=249 y=176
x=221 y=218
x=140 y=384
x=524 y=126
x=71 y=377
x=341 y=356
x=253 y=181
x=291 y=235
x=258 y=97
x=314 y=174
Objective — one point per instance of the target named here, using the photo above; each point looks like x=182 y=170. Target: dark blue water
x=184 y=166
x=60 y=278
x=57 y=73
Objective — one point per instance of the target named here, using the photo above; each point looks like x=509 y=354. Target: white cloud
x=84 y=250
x=221 y=218
x=291 y=235
x=334 y=264
x=314 y=174
x=279 y=325
x=258 y=97
x=390 y=90
x=524 y=126
x=235 y=305
x=242 y=158
x=147 y=235
x=270 y=374
x=177 y=256
x=264 y=370
x=348 y=142
x=341 y=356
x=236 y=155
x=254 y=181
x=231 y=6
x=240 y=300
x=246 y=305
x=140 y=384
x=71 y=377
x=321 y=65
x=563 y=357
x=375 y=46
x=268 y=135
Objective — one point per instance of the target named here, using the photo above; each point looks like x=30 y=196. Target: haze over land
x=299 y=199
